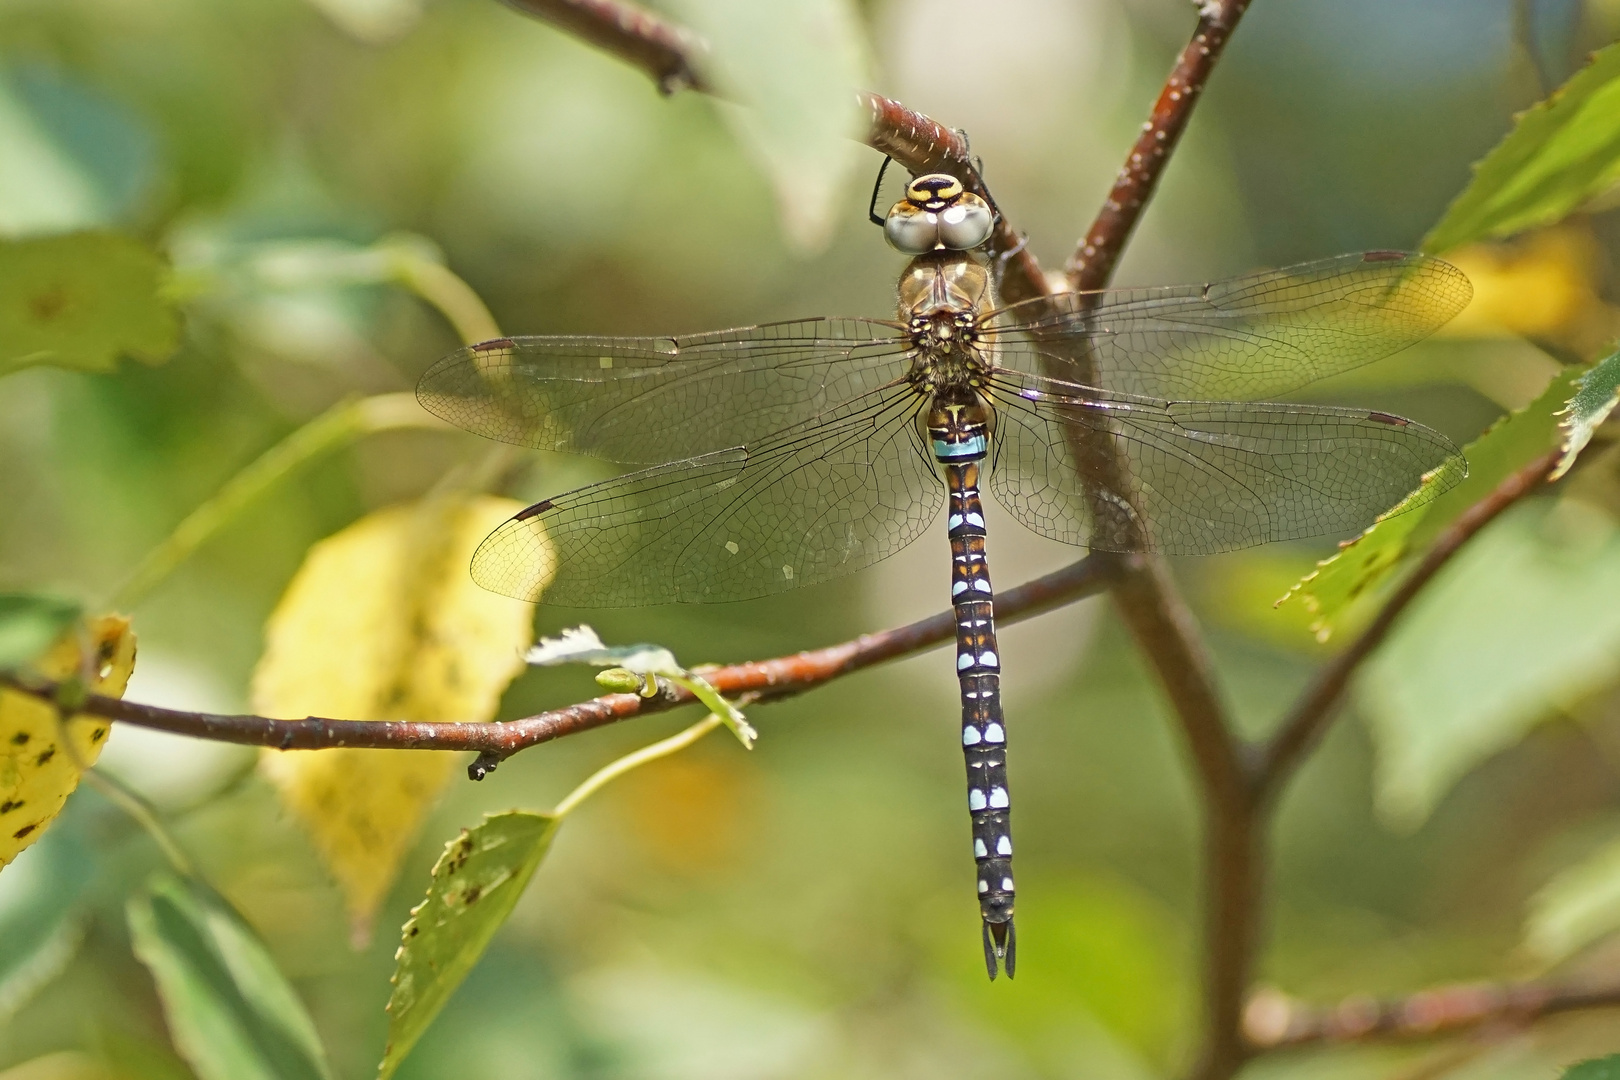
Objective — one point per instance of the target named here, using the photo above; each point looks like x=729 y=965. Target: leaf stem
x=129 y=801
x=339 y=425
x=610 y=772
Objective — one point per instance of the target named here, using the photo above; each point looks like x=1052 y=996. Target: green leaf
x=82 y=301
x=1559 y=154
x=1522 y=623
x=231 y=1014
x=794 y=68
x=30 y=624
x=1576 y=908
x=1360 y=565
x=42 y=918
x=1606 y=1068
x=1597 y=393
x=476 y=883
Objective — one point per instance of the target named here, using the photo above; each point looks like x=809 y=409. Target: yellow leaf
x=383 y=622
x=1542 y=285
x=37 y=773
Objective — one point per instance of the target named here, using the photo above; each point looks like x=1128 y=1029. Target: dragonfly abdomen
x=960 y=437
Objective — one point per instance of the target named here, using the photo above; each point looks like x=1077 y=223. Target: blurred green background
x=804 y=910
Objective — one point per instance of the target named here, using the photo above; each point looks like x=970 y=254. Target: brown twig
x=671 y=54
x=1092 y=264
x=772 y=679
x=1305 y=723
x=1274 y=1021
x=1159 y=619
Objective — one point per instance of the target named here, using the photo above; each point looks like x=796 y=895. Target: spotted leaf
x=82 y=301
x=476 y=883
x=41 y=758
x=382 y=622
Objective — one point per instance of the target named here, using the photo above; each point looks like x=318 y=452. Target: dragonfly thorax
x=942 y=296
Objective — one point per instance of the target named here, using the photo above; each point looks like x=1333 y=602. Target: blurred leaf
x=30 y=624
x=37 y=773
x=231 y=1013
x=1108 y=950
x=62 y=1065
x=795 y=68
x=1559 y=154
x=42 y=921
x=1576 y=908
x=1361 y=564
x=1607 y=1068
x=73 y=159
x=1542 y=285
x=476 y=883
x=1522 y=623
x=375 y=22
x=1597 y=393
x=383 y=622
x=82 y=301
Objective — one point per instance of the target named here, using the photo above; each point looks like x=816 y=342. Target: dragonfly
x=791 y=453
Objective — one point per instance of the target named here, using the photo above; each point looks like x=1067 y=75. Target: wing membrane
x=1251 y=337
x=643 y=400
x=809 y=504
x=1205 y=476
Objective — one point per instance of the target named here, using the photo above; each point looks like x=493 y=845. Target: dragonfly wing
x=1252 y=337
x=1198 y=477
x=806 y=505
x=653 y=399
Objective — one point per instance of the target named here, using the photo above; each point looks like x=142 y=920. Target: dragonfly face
x=791 y=453
x=938 y=214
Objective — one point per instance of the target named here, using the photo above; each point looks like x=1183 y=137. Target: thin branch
x=1092 y=264
x=924 y=145
x=339 y=425
x=1316 y=707
x=1158 y=618
x=1274 y=1021
x=671 y=54
x=770 y=679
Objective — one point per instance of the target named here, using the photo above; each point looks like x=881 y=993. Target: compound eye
x=966 y=223
x=911 y=230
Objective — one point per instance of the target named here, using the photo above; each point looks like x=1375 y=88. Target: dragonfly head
x=938 y=214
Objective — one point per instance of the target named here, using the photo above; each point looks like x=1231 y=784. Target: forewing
x=1200 y=477
x=812 y=503
x=653 y=399
x=1251 y=337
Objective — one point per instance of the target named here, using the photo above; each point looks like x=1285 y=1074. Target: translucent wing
x=1251 y=337
x=808 y=504
x=1204 y=476
x=653 y=399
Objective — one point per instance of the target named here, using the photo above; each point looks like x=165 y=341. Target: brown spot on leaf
x=24 y=831
x=9 y=805
x=45 y=755
x=46 y=306
x=20 y=739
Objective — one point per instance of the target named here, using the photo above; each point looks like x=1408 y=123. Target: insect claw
x=1000 y=944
